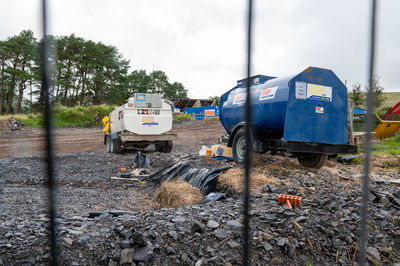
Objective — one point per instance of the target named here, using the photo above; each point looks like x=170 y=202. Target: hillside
x=391 y=98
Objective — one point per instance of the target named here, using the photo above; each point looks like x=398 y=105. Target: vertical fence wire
x=246 y=207
x=45 y=56
x=369 y=128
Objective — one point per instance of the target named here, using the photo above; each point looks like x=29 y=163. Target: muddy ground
x=329 y=217
x=30 y=141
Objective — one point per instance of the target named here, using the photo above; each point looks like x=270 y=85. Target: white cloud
x=16 y=16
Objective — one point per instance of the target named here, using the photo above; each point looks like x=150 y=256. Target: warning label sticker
x=301 y=90
x=148 y=121
x=239 y=98
x=148 y=112
x=268 y=93
x=319 y=110
x=210 y=112
x=319 y=92
x=140 y=97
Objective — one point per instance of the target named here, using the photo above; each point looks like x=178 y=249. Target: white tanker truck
x=143 y=121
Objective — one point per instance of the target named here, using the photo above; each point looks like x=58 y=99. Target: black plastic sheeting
x=203 y=178
x=113 y=213
x=141 y=160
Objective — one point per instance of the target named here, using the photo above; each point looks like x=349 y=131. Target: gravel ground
x=324 y=230
x=83 y=180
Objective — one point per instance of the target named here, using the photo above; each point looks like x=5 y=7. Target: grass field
x=392 y=98
x=389 y=146
x=32 y=120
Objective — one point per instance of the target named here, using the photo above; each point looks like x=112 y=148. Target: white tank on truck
x=143 y=121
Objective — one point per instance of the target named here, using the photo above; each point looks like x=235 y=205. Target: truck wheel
x=115 y=146
x=312 y=160
x=167 y=145
x=159 y=147
x=239 y=148
x=108 y=144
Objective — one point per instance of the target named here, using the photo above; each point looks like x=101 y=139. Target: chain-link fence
x=45 y=55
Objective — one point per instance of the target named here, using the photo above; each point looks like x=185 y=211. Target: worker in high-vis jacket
x=106 y=123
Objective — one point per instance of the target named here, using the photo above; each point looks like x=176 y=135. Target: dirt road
x=191 y=136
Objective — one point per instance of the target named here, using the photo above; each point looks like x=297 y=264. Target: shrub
x=182 y=116
x=81 y=116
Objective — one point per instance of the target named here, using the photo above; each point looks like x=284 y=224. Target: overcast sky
x=201 y=43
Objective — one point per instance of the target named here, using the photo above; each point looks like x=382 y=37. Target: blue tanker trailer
x=304 y=114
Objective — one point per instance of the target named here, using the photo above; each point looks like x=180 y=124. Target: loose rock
x=126 y=256
x=212 y=224
x=143 y=253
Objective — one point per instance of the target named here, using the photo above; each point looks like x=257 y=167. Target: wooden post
x=350 y=114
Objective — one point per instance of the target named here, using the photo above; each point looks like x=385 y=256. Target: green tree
x=175 y=90
x=357 y=95
x=13 y=49
x=138 y=81
x=83 y=73
x=17 y=63
x=377 y=89
x=88 y=72
x=3 y=58
x=27 y=63
x=215 y=98
x=69 y=49
x=155 y=82
x=159 y=82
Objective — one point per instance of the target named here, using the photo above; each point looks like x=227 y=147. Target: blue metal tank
x=307 y=107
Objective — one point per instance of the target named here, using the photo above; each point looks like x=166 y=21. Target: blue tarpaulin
x=359 y=111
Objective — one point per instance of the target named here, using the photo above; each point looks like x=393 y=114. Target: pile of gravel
x=324 y=230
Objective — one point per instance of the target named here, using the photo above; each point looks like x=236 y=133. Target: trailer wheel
x=239 y=148
x=108 y=144
x=312 y=160
x=165 y=146
x=115 y=145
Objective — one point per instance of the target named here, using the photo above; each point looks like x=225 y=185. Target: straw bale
x=177 y=193
x=233 y=180
x=5 y=125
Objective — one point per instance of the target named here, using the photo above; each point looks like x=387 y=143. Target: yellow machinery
x=390 y=123
x=387 y=128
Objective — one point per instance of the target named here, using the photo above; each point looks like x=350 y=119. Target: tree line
x=83 y=73
x=359 y=96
